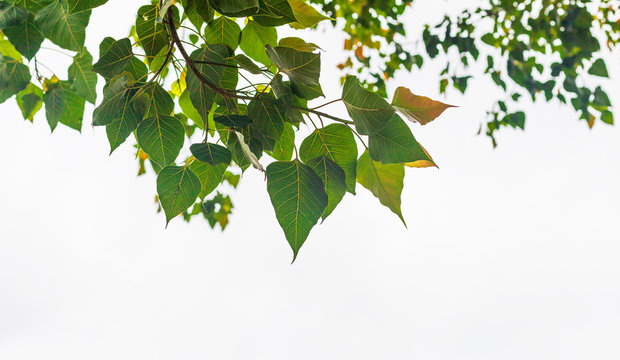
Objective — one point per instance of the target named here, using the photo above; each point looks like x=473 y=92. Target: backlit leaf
x=333 y=179
x=114 y=60
x=395 y=144
x=211 y=154
x=385 y=181
x=223 y=31
x=298 y=198
x=253 y=40
x=84 y=80
x=62 y=28
x=177 y=187
x=161 y=137
x=369 y=111
x=417 y=108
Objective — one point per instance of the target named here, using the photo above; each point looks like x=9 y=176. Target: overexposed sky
x=510 y=253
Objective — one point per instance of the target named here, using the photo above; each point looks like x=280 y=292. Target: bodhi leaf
x=305 y=14
x=333 y=179
x=235 y=8
x=211 y=154
x=151 y=34
x=73 y=110
x=26 y=37
x=54 y=99
x=369 y=111
x=337 y=143
x=599 y=68
x=298 y=198
x=114 y=60
x=301 y=66
x=298 y=44
x=246 y=64
x=161 y=137
x=395 y=144
x=283 y=148
x=223 y=31
x=11 y=14
x=274 y=13
x=14 y=77
x=267 y=117
x=114 y=101
x=417 y=108
x=253 y=40
x=177 y=187
x=30 y=101
x=62 y=28
x=81 y=5
x=83 y=79
x=127 y=118
x=210 y=176
x=385 y=181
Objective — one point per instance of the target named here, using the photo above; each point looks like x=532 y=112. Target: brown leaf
x=417 y=108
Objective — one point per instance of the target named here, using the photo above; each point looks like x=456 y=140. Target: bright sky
x=510 y=253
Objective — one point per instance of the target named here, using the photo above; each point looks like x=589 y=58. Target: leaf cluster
x=230 y=95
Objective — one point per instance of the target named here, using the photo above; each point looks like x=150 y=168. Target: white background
x=511 y=253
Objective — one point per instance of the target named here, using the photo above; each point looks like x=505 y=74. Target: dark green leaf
x=369 y=111
x=337 y=143
x=395 y=144
x=54 y=99
x=84 y=80
x=245 y=63
x=161 y=137
x=177 y=187
x=298 y=198
x=235 y=8
x=283 y=148
x=212 y=154
x=333 y=179
x=11 y=15
x=152 y=35
x=239 y=121
x=81 y=5
x=63 y=29
x=599 y=68
x=210 y=176
x=300 y=66
x=114 y=60
x=267 y=116
x=26 y=37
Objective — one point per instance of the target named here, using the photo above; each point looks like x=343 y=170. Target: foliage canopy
x=231 y=92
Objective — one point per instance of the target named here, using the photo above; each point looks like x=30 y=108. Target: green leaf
x=84 y=80
x=197 y=11
x=177 y=187
x=305 y=14
x=300 y=66
x=157 y=100
x=54 y=99
x=384 y=181
x=369 y=111
x=601 y=98
x=114 y=60
x=223 y=31
x=8 y=50
x=152 y=35
x=201 y=95
x=306 y=91
x=395 y=144
x=246 y=64
x=333 y=179
x=235 y=8
x=11 y=15
x=274 y=13
x=30 y=101
x=336 y=142
x=417 y=108
x=599 y=68
x=284 y=147
x=298 y=44
x=161 y=137
x=607 y=117
x=63 y=29
x=253 y=40
x=267 y=116
x=238 y=121
x=26 y=37
x=210 y=176
x=81 y=5
x=73 y=110
x=212 y=154
x=14 y=77
x=115 y=96
x=127 y=117
x=298 y=198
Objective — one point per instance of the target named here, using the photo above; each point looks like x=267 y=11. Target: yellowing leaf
x=417 y=108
